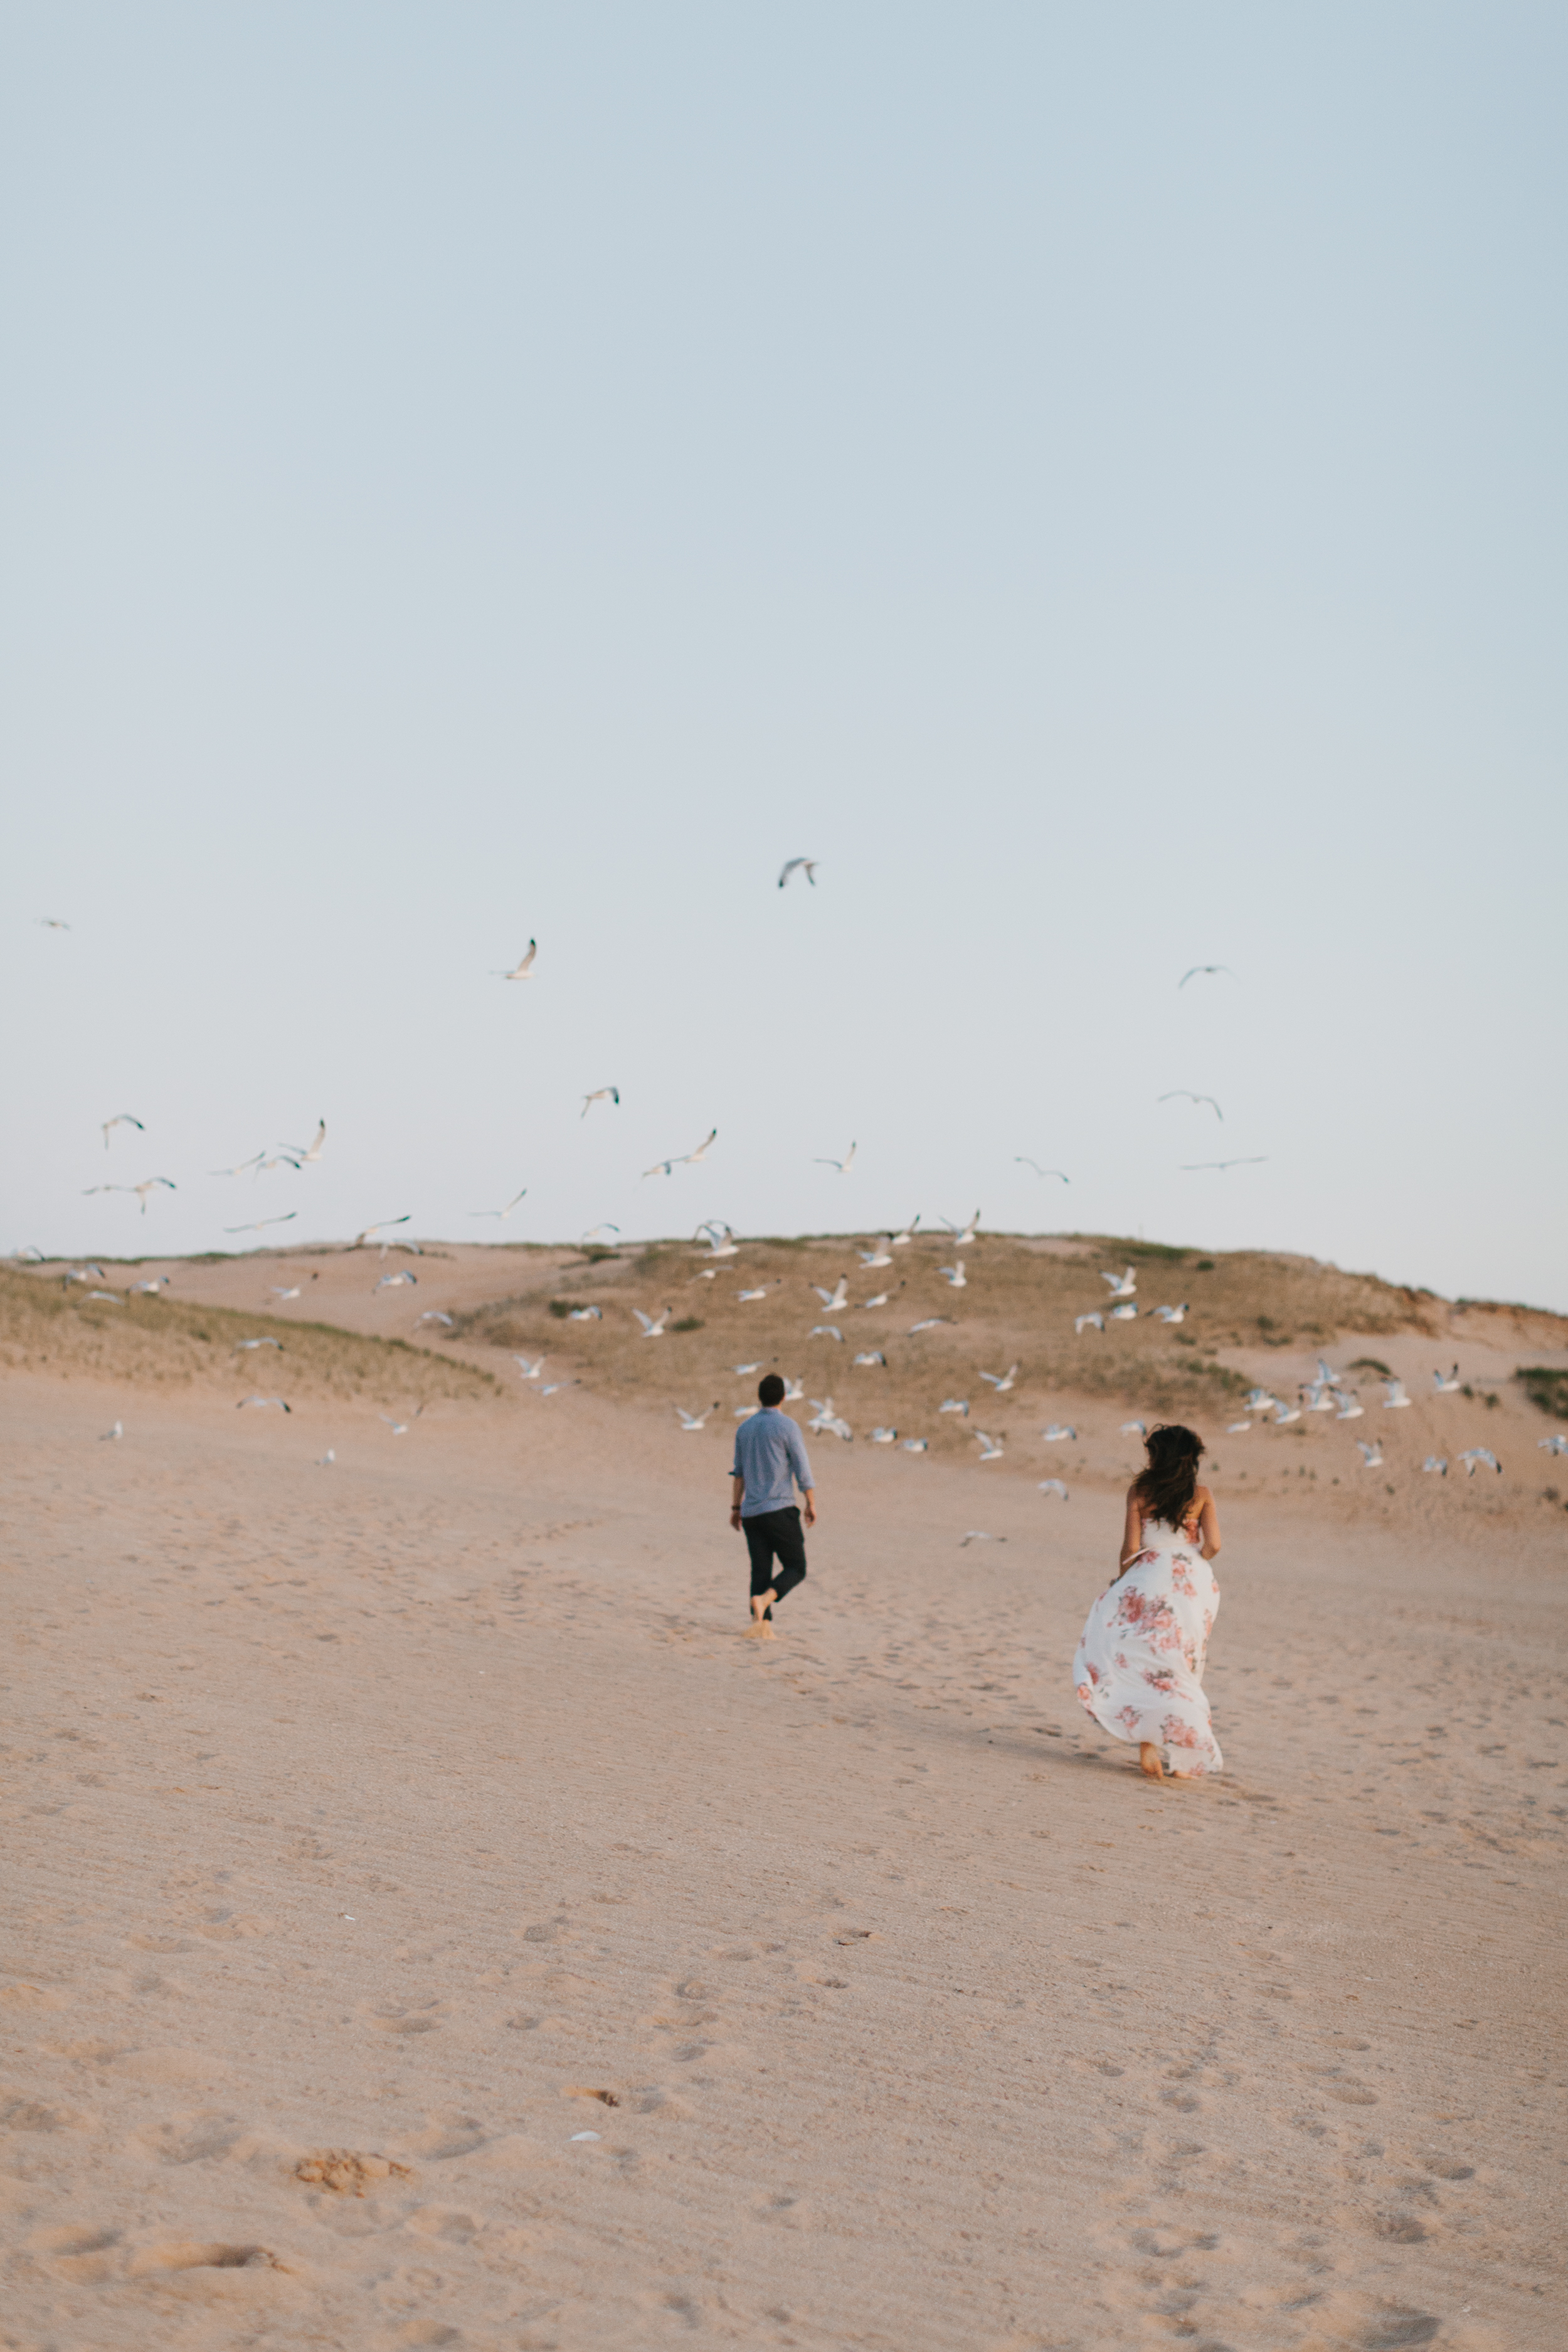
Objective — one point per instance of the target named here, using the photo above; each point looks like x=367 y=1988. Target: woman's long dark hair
x=1167 y=1486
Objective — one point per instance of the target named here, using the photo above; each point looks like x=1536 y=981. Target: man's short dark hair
x=770 y=1390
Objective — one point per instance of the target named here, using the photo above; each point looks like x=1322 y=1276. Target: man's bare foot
x=759 y=1630
x=1148 y=1761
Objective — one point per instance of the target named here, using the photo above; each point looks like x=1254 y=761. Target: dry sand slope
x=374 y=1830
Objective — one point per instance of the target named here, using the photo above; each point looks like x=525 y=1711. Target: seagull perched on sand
x=954 y=1274
x=304 y=1154
x=1141 y=1428
x=650 y=1329
x=1558 y=1444
x=262 y=1223
x=371 y=1231
x=930 y=1324
x=1022 y=1159
x=1053 y=1486
x=1121 y=1286
x=978 y=1535
x=744 y=1296
x=602 y=1094
x=806 y=865
x=884 y=1437
x=1206 y=968
x=118 y=1431
x=826 y=1331
x=1370 y=1454
x=241 y=1345
x=870 y=1356
x=965 y=1237
x=1437 y=1462
x=523 y=968
x=261 y=1401
x=586 y=1315
x=501 y=1213
x=1001 y=1381
x=1093 y=1322
x=835 y=1298
x=992 y=1446
x=843 y=1165
x=1185 y=1094
x=896 y=1241
x=1253 y=1159
x=915 y=1445
x=1057 y=1431
x=1172 y=1314
x=1474 y=1457
x=682 y=1159
x=147 y=1185
x=529 y=1366
x=434 y=1314
x=1125 y=1313
x=955 y=1405
x=1395 y=1399
x=880 y=1254
x=1446 y=1383
x=121 y=1118
x=404 y=1281
x=694 y=1420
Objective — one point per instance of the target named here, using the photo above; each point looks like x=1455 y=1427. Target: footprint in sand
x=186 y=2254
x=419 y=2017
x=346 y=2174
x=86 y=2256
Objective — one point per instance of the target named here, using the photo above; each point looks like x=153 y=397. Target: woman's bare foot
x=760 y=1630
x=1148 y=1761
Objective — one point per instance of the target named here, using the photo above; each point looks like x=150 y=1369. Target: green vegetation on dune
x=1545 y=1388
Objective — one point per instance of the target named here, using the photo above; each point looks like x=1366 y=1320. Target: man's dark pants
x=775 y=1535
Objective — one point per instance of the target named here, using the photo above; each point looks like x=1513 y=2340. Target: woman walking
x=1139 y=1670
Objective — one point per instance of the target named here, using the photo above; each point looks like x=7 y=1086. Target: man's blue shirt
x=770 y=1455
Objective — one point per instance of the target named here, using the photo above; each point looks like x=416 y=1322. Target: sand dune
x=377 y=1830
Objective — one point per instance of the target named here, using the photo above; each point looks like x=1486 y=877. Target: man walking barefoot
x=770 y=1462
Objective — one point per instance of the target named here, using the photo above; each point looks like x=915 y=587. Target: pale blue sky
x=1091 y=477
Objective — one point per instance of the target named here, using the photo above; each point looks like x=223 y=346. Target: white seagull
x=880 y=1254
x=954 y=1274
x=1238 y=1429
x=835 y=1298
x=1121 y=1286
x=1253 y=1159
x=881 y=1299
x=434 y=1314
x=930 y=1324
x=1094 y=1322
x=794 y=1391
x=992 y=1446
x=304 y=1153
x=1053 y=1486
x=721 y=1242
x=1001 y=1381
x=693 y=1420
x=523 y=968
x=806 y=865
x=1022 y=1159
x=826 y=1331
x=602 y=1094
x=682 y=1159
x=884 y=1437
x=1285 y=1413
x=239 y=1166
x=650 y=1329
x=1348 y=1410
x=896 y=1241
x=149 y=1290
x=1438 y=1462
x=915 y=1445
x=121 y=1118
x=241 y=1345
x=51 y=923
x=1125 y=1313
x=262 y=1223
x=1446 y=1383
x=404 y=1281
x=744 y=1296
x=400 y=1428
x=954 y=1404
x=107 y=1295
x=871 y=1356
x=1558 y=1444
x=1141 y=1428
x=295 y=1291
x=965 y=1237
x=843 y=1165
x=978 y=1535
x=501 y=1213
x=1184 y=1093
x=529 y=1366
x=118 y=1431
x=556 y=1387
x=1172 y=1314
x=1198 y=968
x=1474 y=1455
x=384 y=1226
x=147 y=1185
x=586 y=1315
x=741 y=1371
x=1259 y=1400
x=1057 y=1431
x=1370 y=1454
x=1396 y=1398
x=261 y=1401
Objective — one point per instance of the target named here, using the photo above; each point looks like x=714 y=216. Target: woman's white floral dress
x=1139 y=1670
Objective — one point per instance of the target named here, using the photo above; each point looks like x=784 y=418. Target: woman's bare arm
x=1133 y=1531
x=1208 y=1526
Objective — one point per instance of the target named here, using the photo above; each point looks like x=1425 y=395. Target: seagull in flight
x=240 y=1345
x=262 y=1401
x=978 y=1535
x=586 y=1315
x=1172 y=1314
x=1238 y=1429
x=880 y=1253
x=1123 y=1313
x=1201 y=968
x=955 y=1405
x=794 y=1390
x=556 y=1387
x=108 y=1295
x=1001 y=1381
x=1396 y=1397
x=1053 y=1486
x=602 y=1094
x=1370 y=1454
x=1253 y=1159
x=52 y=923
x=884 y=1437
x=966 y=1237
x=871 y=1356
x=239 y=1168
x=1260 y=1400
x=834 y=1300
x=843 y=1165
x=955 y=1275
x=83 y=1273
x=1446 y=1383
x=1141 y=1428
x=915 y=1445
x=592 y=1232
x=1122 y=1285
x=121 y=1118
x=305 y=1153
x=434 y=1314
x=930 y=1324
x=826 y=1331
x=741 y=1371
x=721 y=1242
x=1284 y=1414
x=277 y=1291
x=1438 y=1462
x=502 y=1214
x=694 y=1420
x=141 y=1190
x=1348 y=1410
x=1474 y=1457
x=1057 y=1431
x=806 y=865
x=400 y=1428
x=149 y=1290
x=896 y=1241
x=683 y=1158
x=1558 y=1444
x=371 y=1231
x=880 y=1300
x=992 y=1446
x=398 y=1282
x=1022 y=1159
x=523 y=968
x=1184 y=1093
x=118 y=1431
x=744 y=1295
x=1095 y=1322
x=528 y=1367
x=650 y=1329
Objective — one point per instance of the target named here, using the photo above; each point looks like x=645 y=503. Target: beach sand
x=376 y=1830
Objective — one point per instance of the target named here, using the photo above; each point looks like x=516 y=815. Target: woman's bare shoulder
x=1202 y=1494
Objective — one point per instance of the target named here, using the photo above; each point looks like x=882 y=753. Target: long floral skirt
x=1139 y=1670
